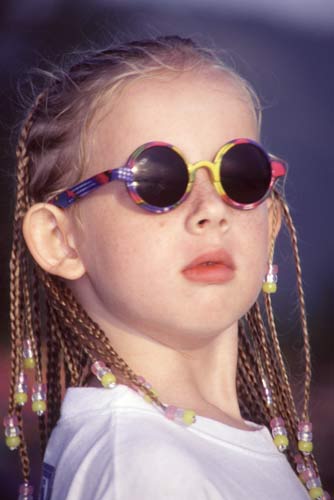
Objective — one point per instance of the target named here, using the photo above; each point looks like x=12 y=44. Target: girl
x=151 y=213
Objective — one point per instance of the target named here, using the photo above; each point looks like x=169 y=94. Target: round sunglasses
x=158 y=177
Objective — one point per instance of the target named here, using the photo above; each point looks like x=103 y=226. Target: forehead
x=196 y=112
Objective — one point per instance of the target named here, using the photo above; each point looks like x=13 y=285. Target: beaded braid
x=39 y=301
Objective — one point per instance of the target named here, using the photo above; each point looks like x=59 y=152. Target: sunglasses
x=158 y=177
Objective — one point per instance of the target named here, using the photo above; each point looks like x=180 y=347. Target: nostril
x=202 y=222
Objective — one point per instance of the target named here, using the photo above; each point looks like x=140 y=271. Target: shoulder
x=122 y=451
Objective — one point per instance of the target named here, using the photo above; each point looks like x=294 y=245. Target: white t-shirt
x=113 y=445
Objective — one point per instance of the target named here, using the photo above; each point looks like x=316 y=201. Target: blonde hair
x=50 y=158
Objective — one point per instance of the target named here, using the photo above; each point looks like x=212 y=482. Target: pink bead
x=38 y=391
x=308 y=474
x=9 y=421
x=272 y=269
x=277 y=422
x=97 y=366
x=26 y=489
x=170 y=412
x=27 y=349
x=141 y=379
x=298 y=459
x=305 y=427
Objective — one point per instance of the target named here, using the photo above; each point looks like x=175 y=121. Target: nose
x=206 y=208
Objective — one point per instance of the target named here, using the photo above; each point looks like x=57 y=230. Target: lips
x=211 y=267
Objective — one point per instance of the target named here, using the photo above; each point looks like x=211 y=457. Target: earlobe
x=47 y=232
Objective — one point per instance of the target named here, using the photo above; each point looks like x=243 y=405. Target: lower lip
x=213 y=273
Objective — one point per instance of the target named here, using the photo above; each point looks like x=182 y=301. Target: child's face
x=135 y=259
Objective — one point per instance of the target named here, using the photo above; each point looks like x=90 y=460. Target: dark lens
x=161 y=176
x=245 y=173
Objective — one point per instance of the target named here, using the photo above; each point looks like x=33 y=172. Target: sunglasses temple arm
x=80 y=190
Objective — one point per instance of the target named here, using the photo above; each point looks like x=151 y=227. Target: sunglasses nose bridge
x=209 y=166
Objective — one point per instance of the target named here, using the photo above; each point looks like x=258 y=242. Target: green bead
x=20 y=398
x=39 y=406
x=13 y=442
x=29 y=363
x=268 y=287
x=305 y=446
x=281 y=441
x=316 y=492
x=189 y=417
x=108 y=379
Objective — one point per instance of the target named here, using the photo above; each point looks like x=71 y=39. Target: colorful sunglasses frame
x=125 y=174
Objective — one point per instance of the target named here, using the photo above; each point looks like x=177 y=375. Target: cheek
x=254 y=243
x=118 y=251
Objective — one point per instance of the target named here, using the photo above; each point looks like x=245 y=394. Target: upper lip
x=219 y=256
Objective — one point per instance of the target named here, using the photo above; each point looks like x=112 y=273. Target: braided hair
x=65 y=340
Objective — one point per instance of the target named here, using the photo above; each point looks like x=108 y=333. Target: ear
x=48 y=233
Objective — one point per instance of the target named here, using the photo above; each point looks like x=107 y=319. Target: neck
x=201 y=378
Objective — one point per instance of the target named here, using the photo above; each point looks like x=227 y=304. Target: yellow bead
x=13 y=442
x=108 y=379
x=269 y=287
x=316 y=492
x=148 y=398
x=305 y=446
x=29 y=363
x=20 y=398
x=189 y=417
x=281 y=442
x=39 y=406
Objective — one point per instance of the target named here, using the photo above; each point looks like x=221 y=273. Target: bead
x=108 y=380
x=267 y=392
x=13 y=442
x=189 y=417
x=313 y=483
x=26 y=492
x=103 y=374
x=269 y=287
x=270 y=280
x=305 y=426
x=21 y=385
x=148 y=398
x=12 y=432
x=305 y=447
x=28 y=355
x=277 y=422
x=281 y=442
x=97 y=366
x=10 y=421
x=39 y=407
x=279 y=431
x=20 y=398
x=305 y=436
x=179 y=415
x=316 y=493
x=29 y=363
x=170 y=412
x=308 y=474
x=38 y=398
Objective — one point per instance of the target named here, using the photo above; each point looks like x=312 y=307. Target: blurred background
x=286 y=51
